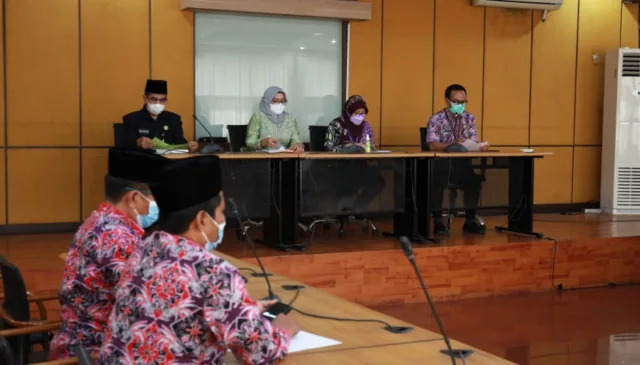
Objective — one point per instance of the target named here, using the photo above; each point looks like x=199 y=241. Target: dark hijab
x=352 y=133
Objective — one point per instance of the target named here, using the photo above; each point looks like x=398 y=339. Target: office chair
x=452 y=187
x=14 y=312
x=119 y=135
x=317 y=135
x=237 y=137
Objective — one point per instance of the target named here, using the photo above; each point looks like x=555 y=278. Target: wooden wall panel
x=172 y=56
x=3 y=190
x=452 y=68
x=44 y=185
x=586 y=174
x=114 y=71
x=553 y=176
x=598 y=32
x=507 y=68
x=365 y=42
x=629 y=26
x=42 y=72
x=407 y=69
x=94 y=168
x=2 y=106
x=553 y=78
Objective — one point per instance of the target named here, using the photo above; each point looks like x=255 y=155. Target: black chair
x=119 y=135
x=452 y=187
x=317 y=135
x=14 y=312
x=237 y=137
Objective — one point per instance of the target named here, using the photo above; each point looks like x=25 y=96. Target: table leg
x=520 y=197
x=414 y=221
x=280 y=230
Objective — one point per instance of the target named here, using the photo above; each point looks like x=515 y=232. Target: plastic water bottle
x=367 y=145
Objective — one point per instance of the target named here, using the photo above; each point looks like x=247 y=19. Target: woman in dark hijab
x=350 y=128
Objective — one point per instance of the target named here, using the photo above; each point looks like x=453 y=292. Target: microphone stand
x=252 y=245
x=408 y=251
x=210 y=147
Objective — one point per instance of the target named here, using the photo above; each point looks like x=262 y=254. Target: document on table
x=280 y=149
x=160 y=151
x=472 y=146
x=308 y=341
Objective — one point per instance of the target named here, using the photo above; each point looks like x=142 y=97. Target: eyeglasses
x=360 y=115
x=154 y=100
x=143 y=192
x=463 y=102
x=278 y=101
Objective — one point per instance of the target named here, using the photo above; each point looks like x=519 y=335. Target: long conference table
x=360 y=343
x=270 y=187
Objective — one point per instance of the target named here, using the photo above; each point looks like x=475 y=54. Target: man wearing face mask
x=153 y=121
x=448 y=127
x=101 y=248
x=182 y=300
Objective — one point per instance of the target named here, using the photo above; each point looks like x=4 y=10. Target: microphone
x=252 y=245
x=210 y=147
x=408 y=251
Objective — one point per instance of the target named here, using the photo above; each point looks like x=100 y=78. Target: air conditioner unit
x=620 y=179
x=521 y=4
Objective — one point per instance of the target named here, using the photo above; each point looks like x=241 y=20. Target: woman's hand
x=485 y=147
x=268 y=142
x=298 y=147
x=263 y=305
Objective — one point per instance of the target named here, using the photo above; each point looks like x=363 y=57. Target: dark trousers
x=459 y=172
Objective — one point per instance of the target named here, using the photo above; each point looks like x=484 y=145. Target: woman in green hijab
x=272 y=127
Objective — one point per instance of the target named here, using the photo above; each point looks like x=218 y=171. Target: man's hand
x=192 y=146
x=268 y=142
x=286 y=323
x=485 y=147
x=144 y=143
x=298 y=147
x=263 y=305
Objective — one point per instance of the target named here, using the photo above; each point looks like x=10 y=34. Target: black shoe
x=439 y=228
x=474 y=226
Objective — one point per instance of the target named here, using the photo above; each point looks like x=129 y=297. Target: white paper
x=170 y=152
x=280 y=149
x=472 y=146
x=308 y=341
x=380 y=151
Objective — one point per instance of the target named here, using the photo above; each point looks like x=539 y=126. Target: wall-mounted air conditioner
x=521 y=4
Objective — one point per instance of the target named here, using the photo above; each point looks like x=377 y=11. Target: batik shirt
x=443 y=127
x=179 y=304
x=337 y=133
x=261 y=127
x=98 y=254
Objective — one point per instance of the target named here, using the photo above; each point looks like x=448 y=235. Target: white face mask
x=155 y=109
x=277 y=109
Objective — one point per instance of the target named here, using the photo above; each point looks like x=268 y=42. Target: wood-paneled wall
x=68 y=77
x=530 y=83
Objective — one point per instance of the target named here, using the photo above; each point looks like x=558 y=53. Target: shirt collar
x=108 y=209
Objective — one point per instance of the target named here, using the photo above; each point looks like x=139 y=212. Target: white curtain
x=239 y=56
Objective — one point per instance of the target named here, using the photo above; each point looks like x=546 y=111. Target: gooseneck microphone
x=252 y=245
x=408 y=251
x=210 y=147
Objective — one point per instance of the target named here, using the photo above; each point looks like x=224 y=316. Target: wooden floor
x=552 y=328
x=373 y=271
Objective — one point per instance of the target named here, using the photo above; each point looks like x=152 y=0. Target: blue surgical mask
x=210 y=246
x=146 y=221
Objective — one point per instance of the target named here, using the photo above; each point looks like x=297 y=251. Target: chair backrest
x=423 y=139
x=119 y=138
x=16 y=305
x=317 y=135
x=6 y=353
x=237 y=137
